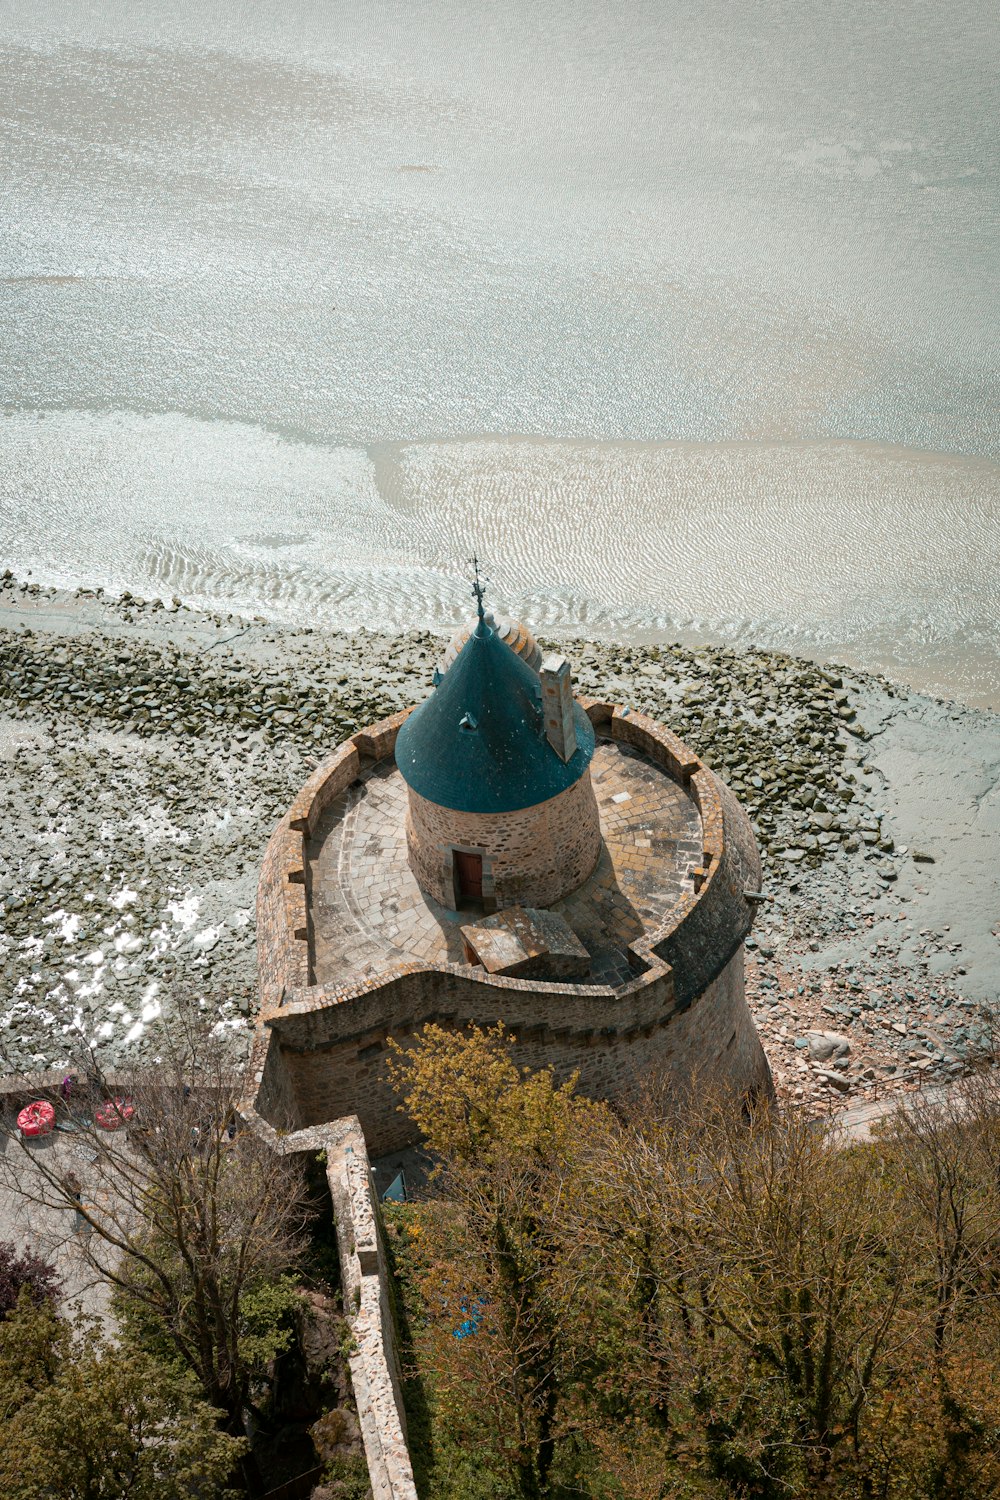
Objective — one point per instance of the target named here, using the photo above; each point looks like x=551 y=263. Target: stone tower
x=501 y=807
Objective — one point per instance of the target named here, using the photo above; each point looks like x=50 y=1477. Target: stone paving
x=52 y=1233
x=369 y=913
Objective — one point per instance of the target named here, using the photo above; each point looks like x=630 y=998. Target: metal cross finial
x=479 y=590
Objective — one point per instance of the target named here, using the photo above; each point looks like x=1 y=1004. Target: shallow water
x=280 y=302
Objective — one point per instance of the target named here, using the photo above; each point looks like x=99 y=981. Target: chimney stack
x=557 y=706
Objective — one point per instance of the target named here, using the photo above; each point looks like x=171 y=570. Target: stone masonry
x=353 y=952
x=531 y=857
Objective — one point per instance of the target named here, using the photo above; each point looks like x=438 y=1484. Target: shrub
x=24 y=1270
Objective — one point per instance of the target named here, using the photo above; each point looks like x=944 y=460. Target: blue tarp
x=396 y=1191
x=473 y=1319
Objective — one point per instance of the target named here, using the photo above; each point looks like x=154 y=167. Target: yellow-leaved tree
x=506 y=1141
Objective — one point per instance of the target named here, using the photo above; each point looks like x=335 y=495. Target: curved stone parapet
x=708 y=926
x=282 y=918
x=324 y=1057
x=702 y=943
x=321 y=1051
x=716 y=915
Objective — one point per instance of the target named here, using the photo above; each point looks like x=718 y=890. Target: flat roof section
x=369 y=914
x=527 y=941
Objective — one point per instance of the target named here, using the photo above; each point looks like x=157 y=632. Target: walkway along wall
x=374 y=1360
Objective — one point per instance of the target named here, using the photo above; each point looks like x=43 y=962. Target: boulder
x=824 y=1045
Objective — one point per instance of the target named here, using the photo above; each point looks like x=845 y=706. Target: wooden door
x=468 y=876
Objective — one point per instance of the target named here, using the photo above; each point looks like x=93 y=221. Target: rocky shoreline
x=148 y=751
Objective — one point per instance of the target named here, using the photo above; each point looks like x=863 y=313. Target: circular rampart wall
x=320 y=1048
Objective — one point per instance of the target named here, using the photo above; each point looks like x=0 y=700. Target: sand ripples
x=887 y=556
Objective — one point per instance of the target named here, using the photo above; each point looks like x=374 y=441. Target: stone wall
x=531 y=857
x=330 y=1056
x=282 y=912
x=364 y=1276
x=651 y=738
x=730 y=867
x=367 y=1306
x=273 y=1092
x=321 y=1050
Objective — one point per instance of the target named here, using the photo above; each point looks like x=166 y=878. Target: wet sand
x=881 y=556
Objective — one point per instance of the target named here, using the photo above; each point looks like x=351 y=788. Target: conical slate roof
x=478 y=744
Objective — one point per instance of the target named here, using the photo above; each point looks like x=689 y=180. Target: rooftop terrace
x=368 y=913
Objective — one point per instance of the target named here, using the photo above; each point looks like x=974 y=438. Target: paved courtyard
x=51 y=1232
x=369 y=912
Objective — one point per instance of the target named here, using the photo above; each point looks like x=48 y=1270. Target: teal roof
x=478 y=744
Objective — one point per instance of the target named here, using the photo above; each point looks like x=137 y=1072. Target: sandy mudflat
x=869 y=553
x=147 y=753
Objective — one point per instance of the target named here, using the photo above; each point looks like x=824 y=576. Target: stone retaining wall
x=324 y=1059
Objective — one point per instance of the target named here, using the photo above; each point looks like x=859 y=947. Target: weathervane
x=479 y=589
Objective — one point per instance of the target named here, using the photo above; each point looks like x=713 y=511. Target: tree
x=936 y=1431
x=697 y=1298
x=766 y=1287
x=505 y=1139
x=188 y=1217
x=947 y=1152
x=83 y=1419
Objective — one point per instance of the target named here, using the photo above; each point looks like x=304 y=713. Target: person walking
x=75 y=1189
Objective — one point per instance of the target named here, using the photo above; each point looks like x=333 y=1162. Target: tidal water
x=684 y=316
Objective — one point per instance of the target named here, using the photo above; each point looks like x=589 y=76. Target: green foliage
x=345 y=1469
x=266 y=1321
x=264 y=1326
x=471 y=1102
x=196 y=1223
x=693 y=1303
x=88 y=1420
x=347 y=1476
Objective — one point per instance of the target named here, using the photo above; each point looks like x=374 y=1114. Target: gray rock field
x=147 y=752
